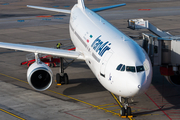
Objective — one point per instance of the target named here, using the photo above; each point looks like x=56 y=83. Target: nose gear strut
x=123 y=103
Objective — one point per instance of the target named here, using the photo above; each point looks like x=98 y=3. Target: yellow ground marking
x=84 y=102
x=110 y=106
x=66 y=96
x=133 y=110
x=13 y=78
x=116 y=100
x=98 y=107
x=106 y=104
x=116 y=110
x=59 y=84
x=11 y=114
x=130 y=117
x=123 y=116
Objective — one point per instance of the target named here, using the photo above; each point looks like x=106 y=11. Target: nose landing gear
x=125 y=111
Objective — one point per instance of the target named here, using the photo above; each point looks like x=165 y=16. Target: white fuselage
x=118 y=62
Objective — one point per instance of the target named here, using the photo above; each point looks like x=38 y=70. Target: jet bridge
x=145 y=24
x=163 y=49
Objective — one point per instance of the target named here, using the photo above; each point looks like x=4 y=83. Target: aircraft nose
x=135 y=84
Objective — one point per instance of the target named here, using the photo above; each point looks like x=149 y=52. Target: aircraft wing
x=43 y=50
x=108 y=7
x=50 y=9
x=69 y=11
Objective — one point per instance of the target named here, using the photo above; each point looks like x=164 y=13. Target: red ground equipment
x=49 y=60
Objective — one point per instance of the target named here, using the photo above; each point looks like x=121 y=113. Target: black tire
x=122 y=111
x=58 y=78
x=128 y=111
x=66 y=79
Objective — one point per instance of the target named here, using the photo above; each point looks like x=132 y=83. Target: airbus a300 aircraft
x=118 y=62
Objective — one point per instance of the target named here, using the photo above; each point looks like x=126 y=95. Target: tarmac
x=84 y=98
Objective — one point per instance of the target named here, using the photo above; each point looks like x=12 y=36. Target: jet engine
x=39 y=76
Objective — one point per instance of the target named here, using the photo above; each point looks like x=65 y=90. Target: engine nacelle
x=39 y=76
x=175 y=79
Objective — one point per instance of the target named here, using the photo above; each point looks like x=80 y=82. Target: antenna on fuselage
x=81 y=4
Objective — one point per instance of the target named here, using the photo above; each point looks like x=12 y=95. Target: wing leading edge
x=50 y=9
x=43 y=50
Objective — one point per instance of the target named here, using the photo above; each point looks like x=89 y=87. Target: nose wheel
x=122 y=111
x=125 y=110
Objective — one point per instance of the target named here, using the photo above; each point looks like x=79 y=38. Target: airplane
x=117 y=61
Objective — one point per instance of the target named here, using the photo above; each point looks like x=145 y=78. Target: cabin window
x=140 y=68
x=130 y=69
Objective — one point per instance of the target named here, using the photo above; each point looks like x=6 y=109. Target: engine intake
x=39 y=76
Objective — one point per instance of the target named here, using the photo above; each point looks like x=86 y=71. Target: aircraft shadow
x=86 y=86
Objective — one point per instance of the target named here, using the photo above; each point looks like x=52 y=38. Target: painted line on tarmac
x=106 y=104
x=116 y=110
x=11 y=114
x=110 y=106
x=116 y=100
x=73 y=115
x=98 y=107
x=13 y=78
x=157 y=105
x=94 y=106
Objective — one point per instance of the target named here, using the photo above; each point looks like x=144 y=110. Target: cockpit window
x=130 y=69
x=119 y=67
x=146 y=66
x=139 y=68
x=123 y=68
x=133 y=69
